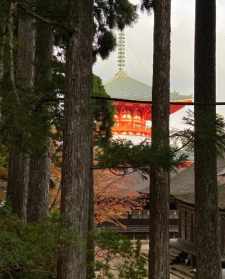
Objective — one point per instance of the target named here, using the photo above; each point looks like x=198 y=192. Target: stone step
x=183 y=270
x=176 y=275
x=174 y=254
x=174 y=251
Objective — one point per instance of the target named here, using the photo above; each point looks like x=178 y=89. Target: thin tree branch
x=44 y=19
x=184 y=145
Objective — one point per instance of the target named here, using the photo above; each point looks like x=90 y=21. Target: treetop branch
x=44 y=19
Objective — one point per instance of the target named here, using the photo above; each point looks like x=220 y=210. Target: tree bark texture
x=2 y=46
x=37 y=205
x=159 y=177
x=91 y=231
x=19 y=162
x=38 y=189
x=18 y=177
x=207 y=216
x=2 y=50
x=77 y=151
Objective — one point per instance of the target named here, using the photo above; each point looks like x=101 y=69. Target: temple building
x=133 y=119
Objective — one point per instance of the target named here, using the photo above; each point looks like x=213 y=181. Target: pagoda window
x=137 y=115
x=137 y=125
x=127 y=115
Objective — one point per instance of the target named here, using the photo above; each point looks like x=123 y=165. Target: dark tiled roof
x=182 y=185
x=124 y=87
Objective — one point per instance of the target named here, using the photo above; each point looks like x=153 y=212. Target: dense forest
x=56 y=143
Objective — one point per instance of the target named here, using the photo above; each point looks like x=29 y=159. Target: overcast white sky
x=139 y=49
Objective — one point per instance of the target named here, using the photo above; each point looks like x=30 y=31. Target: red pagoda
x=133 y=119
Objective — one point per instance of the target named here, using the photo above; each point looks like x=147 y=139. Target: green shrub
x=121 y=257
x=29 y=251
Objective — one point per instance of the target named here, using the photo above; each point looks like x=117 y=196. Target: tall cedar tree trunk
x=2 y=46
x=2 y=50
x=91 y=229
x=37 y=207
x=18 y=177
x=19 y=161
x=77 y=151
x=207 y=218
x=159 y=186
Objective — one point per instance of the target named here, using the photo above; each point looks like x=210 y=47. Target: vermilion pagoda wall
x=135 y=118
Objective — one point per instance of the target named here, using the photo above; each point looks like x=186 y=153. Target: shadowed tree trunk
x=19 y=162
x=2 y=51
x=2 y=46
x=207 y=218
x=159 y=186
x=18 y=177
x=77 y=151
x=37 y=207
x=91 y=228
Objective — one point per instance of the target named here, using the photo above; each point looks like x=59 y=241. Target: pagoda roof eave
x=124 y=87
